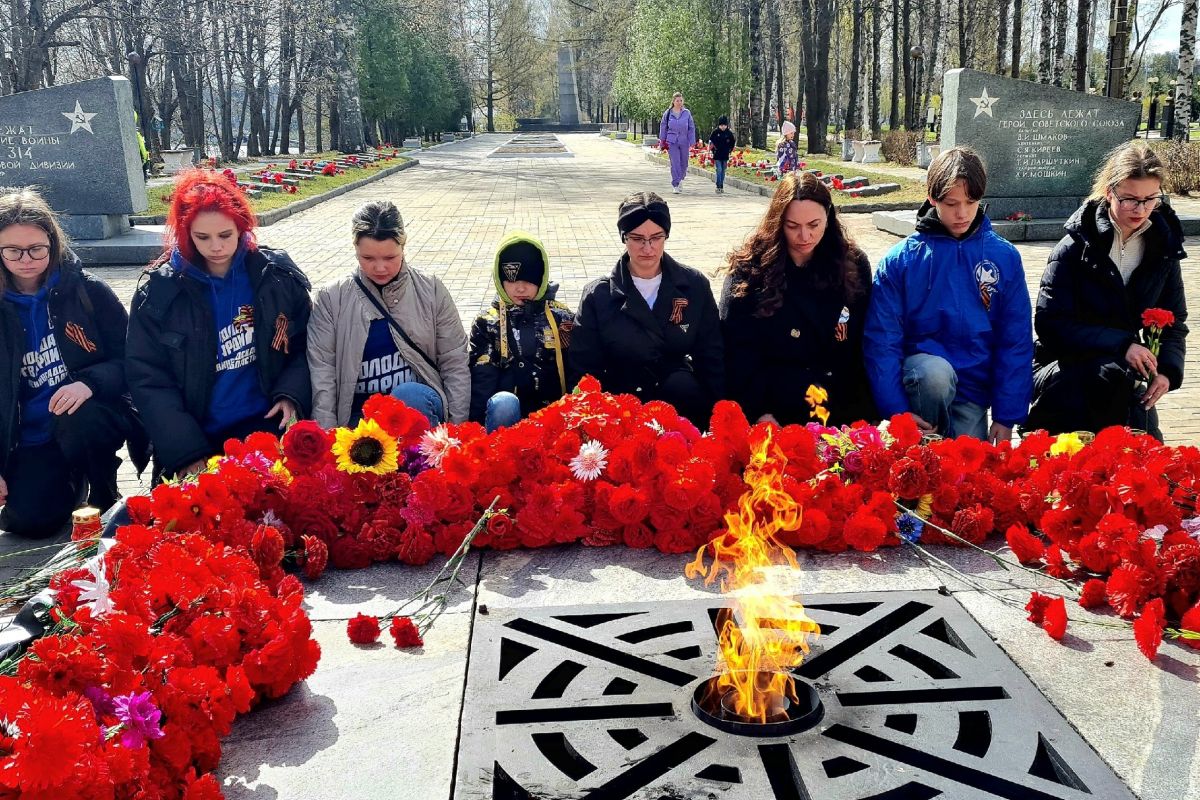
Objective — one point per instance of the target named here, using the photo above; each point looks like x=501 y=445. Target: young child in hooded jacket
x=519 y=345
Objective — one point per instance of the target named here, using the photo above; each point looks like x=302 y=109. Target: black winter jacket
x=528 y=367
x=629 y=347
x=771 y=361
x=89 y=326
x=1085 y=311
x=723 y=142
x=172 y=349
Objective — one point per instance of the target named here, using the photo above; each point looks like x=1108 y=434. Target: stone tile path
x=381 y=723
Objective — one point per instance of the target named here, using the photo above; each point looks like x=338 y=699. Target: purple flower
x=140 y=718
x=102 y=702
x=853 y=462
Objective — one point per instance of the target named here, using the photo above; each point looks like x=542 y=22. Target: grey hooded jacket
x=337 y=333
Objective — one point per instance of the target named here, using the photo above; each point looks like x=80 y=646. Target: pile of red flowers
x=158 y=644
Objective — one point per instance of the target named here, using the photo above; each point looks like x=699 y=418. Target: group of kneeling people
x=224 y=339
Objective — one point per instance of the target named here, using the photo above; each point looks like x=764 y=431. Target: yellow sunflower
x=367 y=448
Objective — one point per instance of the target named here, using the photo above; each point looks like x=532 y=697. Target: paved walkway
x=381 y=723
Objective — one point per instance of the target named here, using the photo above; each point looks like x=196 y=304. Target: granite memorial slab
x=77 y=144
x=1042 y=145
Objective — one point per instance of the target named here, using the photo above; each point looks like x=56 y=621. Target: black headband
x=633 y=215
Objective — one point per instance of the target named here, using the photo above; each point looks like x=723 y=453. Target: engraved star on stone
x=984 y=104
x=79 y=119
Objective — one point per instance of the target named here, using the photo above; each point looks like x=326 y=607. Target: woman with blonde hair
x=793 y=308
x=1120 y=256
x=64 y=409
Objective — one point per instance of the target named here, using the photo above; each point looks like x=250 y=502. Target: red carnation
x=307 y=446
x=363 y=629
x=1028 y=548
x=405 y=632
x=1191 y=622
x=267 y=546
x=1148 y=628
x=1158 y=318
x=1054 y=621
x=399 y=420
x=627 y=505
x=416 y=546
x=1128 y=588
x=864 y=531
x=316 y=556
x=1093 y=594
x=904 y=430
x=973 y=524
x=346 y=552
x=1037 y=607
x=907 y=479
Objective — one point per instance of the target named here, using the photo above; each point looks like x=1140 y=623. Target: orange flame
x=767 y=633
x=816 y=397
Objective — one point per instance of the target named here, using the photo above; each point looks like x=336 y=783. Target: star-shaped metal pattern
x=79 y=119
x=984 y=104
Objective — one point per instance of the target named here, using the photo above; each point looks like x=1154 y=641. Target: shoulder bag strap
x=395 y=325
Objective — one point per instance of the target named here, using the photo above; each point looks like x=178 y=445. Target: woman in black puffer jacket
x=1121 y=256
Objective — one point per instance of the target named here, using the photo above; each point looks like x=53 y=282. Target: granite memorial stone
x=77 y=144
x=1042 y=145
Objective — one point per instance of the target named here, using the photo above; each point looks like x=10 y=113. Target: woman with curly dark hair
x=792 y=311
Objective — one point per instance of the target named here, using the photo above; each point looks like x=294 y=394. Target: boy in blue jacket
x=949 y=330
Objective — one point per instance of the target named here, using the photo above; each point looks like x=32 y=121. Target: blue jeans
x=503 y=410
x=931 y=386
x=422 y=398
x=720 y=166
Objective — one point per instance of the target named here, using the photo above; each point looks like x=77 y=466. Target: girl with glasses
x=64 y=410
x=217 y=331
x=651 y=327
x=1119 y=257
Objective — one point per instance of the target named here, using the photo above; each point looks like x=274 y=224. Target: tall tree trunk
x=777 y=45
x=894 y=112
x=768 y=64
x=876 y=66
x=1060 y=41
x=905 y=55
x=317 y=114
x=758 y=130
x=350 y=135
x=816 y=87
x=963 y=57
x=931 y=66
x=1046 y=43
x=1187 y=62
x=853 y=122
x=1083 y=44
x=1016 y=38
x=1002 y=37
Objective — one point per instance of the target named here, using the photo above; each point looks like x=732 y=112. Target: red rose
x=1158 y=318
x=1148 y=628
x=1028 y=548
x=405 y=632
x=363 y=629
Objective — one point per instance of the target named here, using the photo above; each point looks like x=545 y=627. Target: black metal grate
x=919 y=703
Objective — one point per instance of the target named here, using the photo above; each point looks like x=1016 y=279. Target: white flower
x=656 y=426
x=590 y=462
x=1192 y=527
x=436 y=443
x=271 y=519
x=95 y=590
x=1156 y=533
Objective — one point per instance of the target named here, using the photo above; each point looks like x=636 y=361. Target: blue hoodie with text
x=962 y=299
x=236 y=392
x=42 y=367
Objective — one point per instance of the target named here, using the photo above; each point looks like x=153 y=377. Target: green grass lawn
x=632 y=138
x=160 y=197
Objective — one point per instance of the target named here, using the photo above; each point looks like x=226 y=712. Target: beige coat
x=337 y=334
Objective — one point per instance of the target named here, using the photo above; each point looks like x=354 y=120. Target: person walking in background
x=787 y=157
x=722 y=140
x=676 y=135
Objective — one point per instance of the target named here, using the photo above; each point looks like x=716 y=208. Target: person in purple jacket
x=676 y=135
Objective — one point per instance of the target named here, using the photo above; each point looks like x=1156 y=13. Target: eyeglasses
x=642 y=241
x=1135 y=203
x=36 y=253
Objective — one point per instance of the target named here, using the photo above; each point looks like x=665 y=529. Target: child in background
x=722 y=141
x=787 y=158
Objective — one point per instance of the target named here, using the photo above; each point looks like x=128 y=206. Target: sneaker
x=676 y=190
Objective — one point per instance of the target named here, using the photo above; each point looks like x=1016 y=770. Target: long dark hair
x=758 y=266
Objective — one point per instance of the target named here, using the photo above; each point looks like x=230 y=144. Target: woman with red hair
x=217 y=330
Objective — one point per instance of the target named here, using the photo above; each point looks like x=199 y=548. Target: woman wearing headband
x=651 y=327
